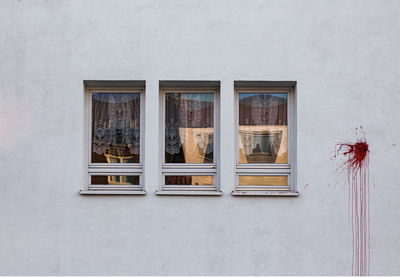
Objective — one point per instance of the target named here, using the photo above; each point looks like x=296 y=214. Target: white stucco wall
x=345 y=57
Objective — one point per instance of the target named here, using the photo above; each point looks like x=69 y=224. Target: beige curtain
x=278 y=147
x=189 y=127
x=195 y=142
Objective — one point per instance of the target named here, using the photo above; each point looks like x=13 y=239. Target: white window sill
x=266 y=193
x=112 y=192
x=188 y=193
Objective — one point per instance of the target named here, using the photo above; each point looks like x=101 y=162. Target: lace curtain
x=189 y=126
x=262 y=128
x=115 y=122
x=263 y=109
x=263 y=142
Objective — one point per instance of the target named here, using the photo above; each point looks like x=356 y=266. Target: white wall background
x=345 y=56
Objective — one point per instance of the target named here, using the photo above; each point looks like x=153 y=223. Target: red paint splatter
x=357 y=165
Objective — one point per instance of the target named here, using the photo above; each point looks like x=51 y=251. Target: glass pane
x=263 y=180
x=189 y=180
x=115 y=180
x=263 y=128
x=115 y=128
x=189 y=128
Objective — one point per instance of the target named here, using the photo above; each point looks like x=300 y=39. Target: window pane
x=115 y=180
x=263 y=180
x=189 y=128
x=263 y=128
x=115 y=128
x=189 y=180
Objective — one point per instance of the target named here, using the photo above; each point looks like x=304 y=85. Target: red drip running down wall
x=357 y=165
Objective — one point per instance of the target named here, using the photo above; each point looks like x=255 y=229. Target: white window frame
x=119 y=169
x=268 y=169
x=190 y=169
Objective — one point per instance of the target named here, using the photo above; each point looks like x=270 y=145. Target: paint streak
x=357 y=165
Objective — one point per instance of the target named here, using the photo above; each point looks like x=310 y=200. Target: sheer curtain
x=262 y=128
x=115 y=127
x=189 y=128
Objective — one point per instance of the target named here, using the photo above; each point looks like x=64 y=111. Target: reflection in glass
x=263 y=128
x=189 y=180
x=115 y=127
x=264 y=180
x=189 y=127
x=115 y=180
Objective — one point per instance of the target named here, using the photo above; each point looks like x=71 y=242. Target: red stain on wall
x=357 y=165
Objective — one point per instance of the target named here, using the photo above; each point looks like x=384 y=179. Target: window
x=265 y=137
x=189 y=128
x=115 y=153
x=265 y=141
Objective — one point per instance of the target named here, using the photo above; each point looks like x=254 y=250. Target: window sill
x=112 y=192
x=188 y=193
x=266 y=193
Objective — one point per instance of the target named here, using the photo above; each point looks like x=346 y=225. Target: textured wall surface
x=345 y=56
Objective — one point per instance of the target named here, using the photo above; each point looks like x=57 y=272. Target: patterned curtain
x=189 y=127
x=115 y=122
x=262 y=128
